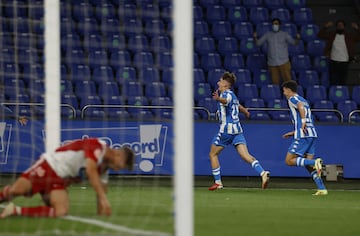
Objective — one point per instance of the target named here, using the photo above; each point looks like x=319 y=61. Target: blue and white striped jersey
x=295 y=116
x=229 y=114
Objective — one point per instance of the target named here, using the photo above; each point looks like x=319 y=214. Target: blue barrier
x=153 y=143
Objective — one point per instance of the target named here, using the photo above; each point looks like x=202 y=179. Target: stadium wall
x=153 y=143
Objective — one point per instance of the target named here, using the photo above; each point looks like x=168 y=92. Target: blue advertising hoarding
x=153 y=143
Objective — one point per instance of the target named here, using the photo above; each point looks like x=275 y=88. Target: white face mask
x=275 y=28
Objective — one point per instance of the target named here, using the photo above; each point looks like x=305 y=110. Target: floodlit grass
x=228 y=212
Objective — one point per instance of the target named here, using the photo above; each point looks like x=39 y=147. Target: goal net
x=115 y=69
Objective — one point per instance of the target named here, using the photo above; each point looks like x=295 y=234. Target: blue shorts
x=303 y=146
x=223 y=140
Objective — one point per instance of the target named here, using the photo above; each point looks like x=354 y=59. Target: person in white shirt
x=55 y=171
x=340 y=49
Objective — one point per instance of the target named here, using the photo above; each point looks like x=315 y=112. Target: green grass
x=231 y=211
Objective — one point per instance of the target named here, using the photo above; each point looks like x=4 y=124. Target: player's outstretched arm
x=103 y=204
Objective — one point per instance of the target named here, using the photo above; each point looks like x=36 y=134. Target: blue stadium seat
x=308 y=32
x=92 y=42
x=155 y=89
x=166 y=12
x=315 y=48
x=315 y=93
x=110 y=26
x=231 y=3
x=237 y=14
x=124 y=74
x=87 y=26
x=207 y=3
x=257 y=114
x=199 y=76
x=205 y=45
x=338 y=93
x=167 y=76
x=28 y=56
x=289 y=27
x=102 y=73
x=116 y=114
x=115 y=41
x=209 y=104
x=163 y=113
x=137 y=101
x=149 y=74
x=198 y=13
x=84 y=88
x=347 y=106
x=355 y=94
x=89 y=100
x=261 y=77
x=270 y=92
x=164 y=60
x=196 y=60
x=221 y=29
x=137 y=43
x=243 y=76
x=227 y=45
x=36 y=87
x=233 y=61
x=127 y=11
x=104 y=11
x=320 y=111
x=256 y=62
x=69 y=99
x=321 y=64
x=278 y=115
x=201 y=91
x=160 y=43
x=252 y=3
x=201 y=29
x=246 y=92
x=108 y=88
x=324 y=78
x=79 y=72
x=132 y=26
x=211 y=61
x=302 y=16
x=258 y=14
x=274 y=4
x=66 y=87
x=215 y=13
x=143 y=59
x=281 y=13
x=149 y=12
x=308 y=78
x=248 y=46
x=300 y=62
x=75 y=56
x=81 y=10
x=295 y=4
x=214 y=76
x=132 y=89
x=119 y=57
x=154 y=27
x=243 y=29
x=262 y=28
x=297 y=49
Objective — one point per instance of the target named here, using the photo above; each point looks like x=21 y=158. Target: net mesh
x=116 y=84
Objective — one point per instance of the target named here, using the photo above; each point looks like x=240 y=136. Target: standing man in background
x=340 y=48
x=277 y=55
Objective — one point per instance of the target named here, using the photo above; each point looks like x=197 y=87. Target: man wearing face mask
x=277 y=55
x=340 y=49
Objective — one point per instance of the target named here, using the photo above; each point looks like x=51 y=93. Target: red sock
x=39 y=211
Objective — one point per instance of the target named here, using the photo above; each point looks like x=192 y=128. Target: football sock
x=216 y=174
x=39 y=211
x=304 y=162
x=318 y=181
x=257 y=167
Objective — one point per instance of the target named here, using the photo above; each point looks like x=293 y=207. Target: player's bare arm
x=244 y=110
x=104 y=207
x=300 y=107
x=288 y=134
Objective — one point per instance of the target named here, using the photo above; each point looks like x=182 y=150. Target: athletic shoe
x=318 y=166
x=215 y=186
x=265 y=177
x=321 y=192
x=9 y=210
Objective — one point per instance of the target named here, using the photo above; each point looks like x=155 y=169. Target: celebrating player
x=301 y=151
x=231 y=131
x=54 y=171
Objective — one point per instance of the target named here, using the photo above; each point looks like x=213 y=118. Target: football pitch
x=286 y=208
